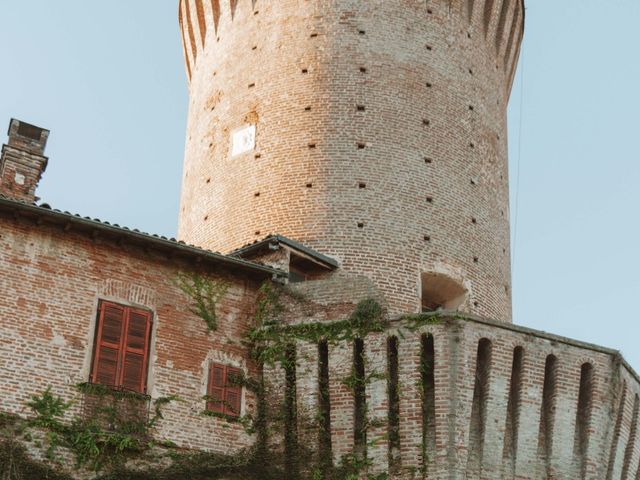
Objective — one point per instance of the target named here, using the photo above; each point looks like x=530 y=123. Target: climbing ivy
x=270 y=341
x=417 y=321
x=353 y=380
x=205 y=294
x=114 y=430
x=269 y=308
x=270 y=337
x=106 y=441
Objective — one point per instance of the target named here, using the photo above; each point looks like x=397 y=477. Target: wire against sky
x=519 y=156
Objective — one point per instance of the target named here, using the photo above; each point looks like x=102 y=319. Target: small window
x=296 y=275
x=224 y=390
x=121 y=352
x=440 y=292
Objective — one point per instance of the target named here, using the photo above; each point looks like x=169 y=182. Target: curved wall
x=380 y=136
x=506 y=403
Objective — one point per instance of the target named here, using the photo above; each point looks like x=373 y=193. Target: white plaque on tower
x=243 y=140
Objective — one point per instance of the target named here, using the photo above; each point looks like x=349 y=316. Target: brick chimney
x=23 y=162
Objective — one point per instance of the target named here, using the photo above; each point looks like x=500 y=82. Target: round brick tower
x=372 y=131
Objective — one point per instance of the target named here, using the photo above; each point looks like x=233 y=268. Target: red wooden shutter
x=108 y=344
x=233 y=392
x=215 y=391
x=122 y=347
x=136 y=351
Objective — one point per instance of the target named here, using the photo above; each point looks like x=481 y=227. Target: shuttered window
x=121 y=351
x=224 y=391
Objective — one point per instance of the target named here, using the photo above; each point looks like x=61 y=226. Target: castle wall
x=50 y=285
x=381 y=141
x=532 y=406
x=557 y=409
x=528 y=439
x=380 y=136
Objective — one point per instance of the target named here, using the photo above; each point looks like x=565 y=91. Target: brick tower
x=360 y=145
x=371 y=131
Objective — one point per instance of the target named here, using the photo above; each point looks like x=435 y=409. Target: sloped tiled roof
x=258 y=245
x=43 y=213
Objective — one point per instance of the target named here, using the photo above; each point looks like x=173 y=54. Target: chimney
x=23 y=162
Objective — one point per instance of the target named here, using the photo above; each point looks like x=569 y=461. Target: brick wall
x=381 y=136
x=51 y=282
x=494 y=414
x=502 y=402
x=486 y=426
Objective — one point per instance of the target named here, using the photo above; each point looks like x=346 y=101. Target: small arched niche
x=441 y=292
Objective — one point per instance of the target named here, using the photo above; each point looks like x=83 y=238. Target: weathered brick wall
x=50 y=286
x=381 y=141
x=486 y=436
x=381 y=136
x=503 y=418
x=19 y=174
x=52 y=281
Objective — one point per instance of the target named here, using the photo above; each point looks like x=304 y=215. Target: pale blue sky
x=107 y=78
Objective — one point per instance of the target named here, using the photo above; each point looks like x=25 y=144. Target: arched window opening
x=440 y=292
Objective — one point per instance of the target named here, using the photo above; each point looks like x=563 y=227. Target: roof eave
x=161 y=243
x=323 y=260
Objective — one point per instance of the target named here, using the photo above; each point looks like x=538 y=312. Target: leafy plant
x=49 y=410
x=113 y=430
x=113 y=435
x=16 y=464
x=270 y=338
x=205 y=294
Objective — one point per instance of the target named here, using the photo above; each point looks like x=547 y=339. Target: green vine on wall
x=353 y=380
x=17 y=464
x=269 y=307
x=415 y=322
x=112 y=432
x=205 y=294
x=270 y=337
x=110 y=439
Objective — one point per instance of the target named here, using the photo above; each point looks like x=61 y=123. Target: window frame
x=224 y=407
x=123 y=346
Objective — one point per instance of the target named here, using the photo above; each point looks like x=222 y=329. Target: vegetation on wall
x=114 y=427
x=15 y=462
x=271 y=341
x=205 y=294
x=115 y=440
x=270 y=337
